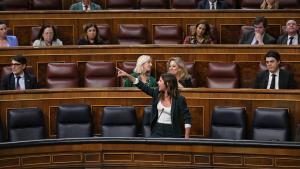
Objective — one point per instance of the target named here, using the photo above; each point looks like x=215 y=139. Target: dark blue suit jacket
x=284 y=38
x=8 y=82
x=179 y=109
x=286 y=80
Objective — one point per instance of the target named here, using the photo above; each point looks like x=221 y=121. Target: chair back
x=228 y=123
x=74 y=121
x=119 y=122
x=25 y=124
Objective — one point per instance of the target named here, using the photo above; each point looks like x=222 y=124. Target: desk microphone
x=162 y=110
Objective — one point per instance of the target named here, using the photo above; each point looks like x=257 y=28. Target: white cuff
x=187 y=125
x=136 y=81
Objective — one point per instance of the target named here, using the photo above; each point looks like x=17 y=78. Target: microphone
x=162 y=110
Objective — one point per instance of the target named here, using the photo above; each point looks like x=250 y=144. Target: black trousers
x=163 y=130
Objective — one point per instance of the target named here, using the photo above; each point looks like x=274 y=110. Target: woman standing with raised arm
x=168 y=106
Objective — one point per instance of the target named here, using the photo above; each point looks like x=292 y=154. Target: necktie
x=86 y=7
x=18 y=83
x=213 y=6
x=291 y=40
x=273 y=82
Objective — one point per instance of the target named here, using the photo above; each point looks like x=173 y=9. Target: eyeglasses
x=15 y=64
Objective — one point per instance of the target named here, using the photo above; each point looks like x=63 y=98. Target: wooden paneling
x=200 y=101
x=147 y=153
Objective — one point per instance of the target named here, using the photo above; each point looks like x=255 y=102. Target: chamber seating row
x=136 y=4
x=134 y=34
x=103 y=74
x=75 y=121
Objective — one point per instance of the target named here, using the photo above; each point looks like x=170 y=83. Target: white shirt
x=160 y=110
x=210 y=5
x=254 y=39
x=276 y=80
x=295 y=40
x=164 y=114
x=21 y=81
x=88 y=9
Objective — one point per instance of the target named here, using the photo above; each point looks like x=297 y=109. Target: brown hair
x=207 y=27
x=171 y=84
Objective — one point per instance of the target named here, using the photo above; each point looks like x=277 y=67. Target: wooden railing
x=148 y=153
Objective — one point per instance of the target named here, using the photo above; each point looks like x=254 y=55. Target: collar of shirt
x=295 y=40
x=21 y=75
x=83 y=7
x=276 y=73
x=215 y=4
x=276 y=80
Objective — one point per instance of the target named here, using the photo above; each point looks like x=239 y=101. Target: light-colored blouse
x=41 y=43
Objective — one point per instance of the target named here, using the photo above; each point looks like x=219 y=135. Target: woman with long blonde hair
x=269 y=4
x=177 y=67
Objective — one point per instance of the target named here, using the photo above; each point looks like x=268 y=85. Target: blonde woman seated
x=201 y=34
x=47 y=37
x=269 y=4
x=142 y=71
x=177 y=67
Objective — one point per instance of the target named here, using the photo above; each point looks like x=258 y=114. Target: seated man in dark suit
x=85 y=5
x=259 y=36
x=19 y=79
x=213 y=4
x=292 y=35
x=274 y=77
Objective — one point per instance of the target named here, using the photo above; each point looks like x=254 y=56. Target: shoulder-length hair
x=264 y=5
x=183 y=73
x=140 y=62
x=40 y=34
x=88 y=26
x=171 y=84
x=207 y=28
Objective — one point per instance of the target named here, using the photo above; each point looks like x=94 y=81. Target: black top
x=84 y=41
x=186 y=83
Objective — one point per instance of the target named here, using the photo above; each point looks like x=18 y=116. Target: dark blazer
x=84 y=41
x=186 y=83
x=286 y=80
x=248 y=36
x=179 y=109
x=284 y=38
x=204 y=4
x=8 y=82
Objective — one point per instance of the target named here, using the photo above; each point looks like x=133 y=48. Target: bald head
x=291 y=27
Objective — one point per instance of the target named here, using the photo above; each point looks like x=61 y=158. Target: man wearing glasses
x=258 y=36
x=19 y=79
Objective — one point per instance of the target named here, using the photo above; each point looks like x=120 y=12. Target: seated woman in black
x=177 y=67
x=168 y=106
x=90 y=36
